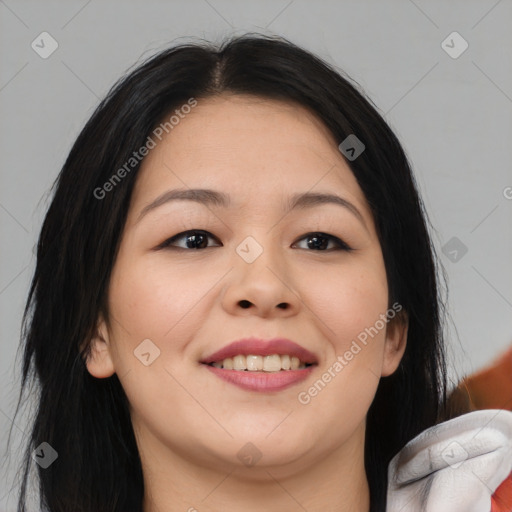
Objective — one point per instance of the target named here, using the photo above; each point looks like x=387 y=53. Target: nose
x=264 y=287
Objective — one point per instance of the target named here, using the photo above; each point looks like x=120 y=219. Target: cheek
x=357 y=320
x=154 y=300
x=164 y=305
x=350 y=317
x=349 y=300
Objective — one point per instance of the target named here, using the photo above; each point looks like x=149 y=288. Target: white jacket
x=455 y=466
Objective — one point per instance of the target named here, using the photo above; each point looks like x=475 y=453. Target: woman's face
x=258 y=272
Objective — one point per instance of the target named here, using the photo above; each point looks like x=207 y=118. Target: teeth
x=273 y=363
x=239 y=363
x=254 y=363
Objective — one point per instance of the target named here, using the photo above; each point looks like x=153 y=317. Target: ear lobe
x=99 y=360
x=395 y=343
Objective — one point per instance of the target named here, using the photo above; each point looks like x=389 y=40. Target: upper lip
x=259 y=347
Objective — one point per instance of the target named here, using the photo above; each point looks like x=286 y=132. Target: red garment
x=501 y=500
x=491 y=387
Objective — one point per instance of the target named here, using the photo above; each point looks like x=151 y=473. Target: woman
x=235 y=303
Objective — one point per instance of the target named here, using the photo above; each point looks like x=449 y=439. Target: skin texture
x=189 y=424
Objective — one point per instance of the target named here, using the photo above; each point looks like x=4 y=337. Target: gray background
x=453 y=117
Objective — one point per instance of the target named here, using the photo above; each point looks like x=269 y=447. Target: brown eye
x=320 y=242
x=193 y=239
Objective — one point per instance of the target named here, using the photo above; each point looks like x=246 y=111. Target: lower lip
x=262 y=381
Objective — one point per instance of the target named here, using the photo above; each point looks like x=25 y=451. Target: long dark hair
x=86 y=420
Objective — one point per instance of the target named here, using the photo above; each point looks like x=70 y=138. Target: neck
x=336 y=482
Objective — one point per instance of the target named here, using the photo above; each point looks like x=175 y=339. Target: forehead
x=249 y=147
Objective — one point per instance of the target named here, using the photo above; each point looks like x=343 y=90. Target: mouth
x=259 y=365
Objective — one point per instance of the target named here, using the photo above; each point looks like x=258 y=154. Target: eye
x=198 y=239
x=194 y=239
x=320 y=242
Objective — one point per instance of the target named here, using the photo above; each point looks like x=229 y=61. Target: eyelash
x=341 y=245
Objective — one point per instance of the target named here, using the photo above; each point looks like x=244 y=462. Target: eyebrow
x=218 y=199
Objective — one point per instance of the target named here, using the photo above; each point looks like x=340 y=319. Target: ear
x=395 y=343
x=99 y=361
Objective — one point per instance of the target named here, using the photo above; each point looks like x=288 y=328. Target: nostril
x=245 y=304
